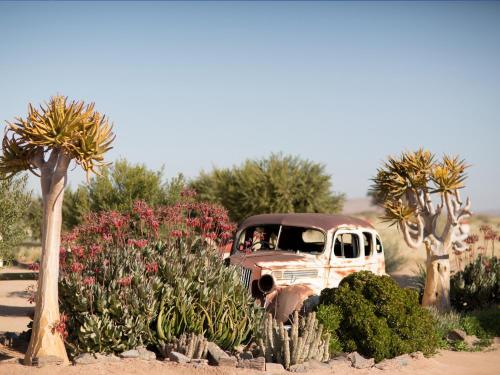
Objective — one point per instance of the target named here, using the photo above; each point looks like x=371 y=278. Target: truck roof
x=320 y=221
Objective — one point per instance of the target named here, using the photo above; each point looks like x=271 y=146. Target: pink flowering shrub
x=118 y=271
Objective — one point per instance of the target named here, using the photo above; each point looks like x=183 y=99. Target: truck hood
x=276 y=259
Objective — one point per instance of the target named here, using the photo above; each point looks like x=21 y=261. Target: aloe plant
x=203 y=296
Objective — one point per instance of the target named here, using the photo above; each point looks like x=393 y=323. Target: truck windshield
x=281 y=237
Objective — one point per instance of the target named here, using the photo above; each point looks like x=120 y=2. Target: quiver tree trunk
x=45 y=340
x=437 y=283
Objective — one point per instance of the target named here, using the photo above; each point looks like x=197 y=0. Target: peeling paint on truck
x=286 y=260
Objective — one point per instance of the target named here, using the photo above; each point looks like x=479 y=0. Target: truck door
x=347 y=255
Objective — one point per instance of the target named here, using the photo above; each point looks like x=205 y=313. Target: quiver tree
x=45 y=143
x=405 y=187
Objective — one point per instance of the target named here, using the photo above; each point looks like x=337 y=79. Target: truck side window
x=368 y=243
x=346 y=246
x=379 y=245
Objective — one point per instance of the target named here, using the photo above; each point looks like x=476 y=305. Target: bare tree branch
x=428 y=202
x=415 y=239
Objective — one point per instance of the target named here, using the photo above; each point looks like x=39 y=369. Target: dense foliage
x=274 y=184
x=483 y=323
x=148 y=276
x=117 y=188
x=202 y=296
x=14 y=203
x=376 y=317
x=477 y=286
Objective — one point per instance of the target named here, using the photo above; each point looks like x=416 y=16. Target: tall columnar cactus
x=305 y=341
x=404 y=186
x=45 y=143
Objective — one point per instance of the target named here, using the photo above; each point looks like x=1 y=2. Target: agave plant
x=45 y=142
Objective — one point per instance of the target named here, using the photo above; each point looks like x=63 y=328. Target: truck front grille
x=246 y=276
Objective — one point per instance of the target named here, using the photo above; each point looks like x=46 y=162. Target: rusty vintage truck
x=286 y=260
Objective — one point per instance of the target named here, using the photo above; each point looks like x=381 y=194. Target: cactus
x=306 y=340
x=192 y=346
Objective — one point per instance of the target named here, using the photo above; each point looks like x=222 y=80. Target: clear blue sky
x=196 y=85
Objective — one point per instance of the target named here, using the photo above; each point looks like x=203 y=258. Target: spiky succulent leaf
x=73 y=127
x=15 y=157
x=449 y=175
x=397 y=212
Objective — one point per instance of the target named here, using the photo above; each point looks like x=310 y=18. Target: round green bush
x=477 y=286
x=377 y=318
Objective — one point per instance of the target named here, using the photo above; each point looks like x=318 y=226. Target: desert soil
x=446 y=362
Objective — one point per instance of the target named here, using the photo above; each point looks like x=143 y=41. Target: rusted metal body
x=286 y=260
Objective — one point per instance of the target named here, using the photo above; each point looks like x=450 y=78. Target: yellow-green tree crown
x=74 y=128
x=404 y=183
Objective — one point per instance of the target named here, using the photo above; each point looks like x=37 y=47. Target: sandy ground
x=444 y=363
x=14 y=306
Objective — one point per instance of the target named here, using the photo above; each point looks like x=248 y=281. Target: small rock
x=145 y=354
x=107 y=357
x=10 y=360
x=85 y=359
x=258 y=363
x=359 y=362
x=275 y=368
x=132 y=353
x=46 y=360
x=217 y=357
x=300 y=367
x=471 y=341
x=404 y=359
x=246 y=355
x=417 y=355
x=456 y=335
x=387 y=364
x=178 y=357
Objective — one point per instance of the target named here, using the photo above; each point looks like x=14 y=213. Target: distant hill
x=359 y=205
x=363 y=205
x=494 y=213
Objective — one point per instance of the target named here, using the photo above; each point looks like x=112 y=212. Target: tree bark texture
x=45 y=341
x=437 y=283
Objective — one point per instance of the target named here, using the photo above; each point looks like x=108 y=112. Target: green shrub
x=477 y=286
x=444 y=323
x=484 y=323
x=378 y=318
x=330 y=316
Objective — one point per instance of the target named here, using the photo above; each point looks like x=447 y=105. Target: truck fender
x=284 y=301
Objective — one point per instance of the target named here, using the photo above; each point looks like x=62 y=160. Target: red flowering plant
x=119 y=271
